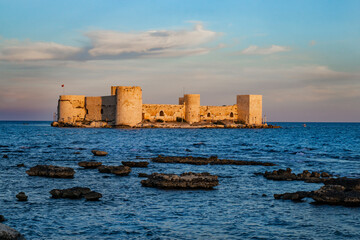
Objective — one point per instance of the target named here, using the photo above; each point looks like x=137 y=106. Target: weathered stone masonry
x=125 y=107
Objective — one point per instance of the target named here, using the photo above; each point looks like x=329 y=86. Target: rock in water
x=184 y=181
x=20 y=165
x=117 y=170
x=51 y=171
x=336 y=195
x=5 y=156
x=136 y=164
x=76 y=193
x=93 y=196
x=90 y=164
x=2 y=218
x=99 y=153
x=21 y=196
x=8 y=233
x=287 y=175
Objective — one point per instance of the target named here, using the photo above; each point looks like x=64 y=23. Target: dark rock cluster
x=51 y=171
x=117 y=170
x=337 y=191
x=21 y=196
x=213 y=160
x=184 y=181
x=76 y=193
x=143 y=164
x=288 y=175
x=8 y=233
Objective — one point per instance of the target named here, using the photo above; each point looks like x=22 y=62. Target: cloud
x=115 y=45
x=163 y=42
x=14 y=50
x=255 y=50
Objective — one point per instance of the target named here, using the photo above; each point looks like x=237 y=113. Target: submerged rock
x=76 y=193
x=99 y=153
x=51 y=171
x=135 y=164
x=296 y=196
x=184 y=181
x=5 y=156
x=8 y=233
x=2 y=218
x=86 y=164
x=143 y=175
x=93 y=196
x=21 y=196
x=287 y=175
x=213 y=160
x=117 y=170
x=20 y=165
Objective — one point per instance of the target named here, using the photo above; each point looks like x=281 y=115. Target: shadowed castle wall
x=71 y=108
x=100 y=108
x=166 y=112
x=215 y=113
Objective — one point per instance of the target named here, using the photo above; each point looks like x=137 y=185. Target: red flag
x=62 y=85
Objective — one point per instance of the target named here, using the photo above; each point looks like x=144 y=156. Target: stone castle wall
x=124 y=107
x=166 y=112
x=217 y=113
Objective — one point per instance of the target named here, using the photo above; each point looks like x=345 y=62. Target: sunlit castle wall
x=249 y=109
x=192 y=107
x=71 y=108
x=128 y=106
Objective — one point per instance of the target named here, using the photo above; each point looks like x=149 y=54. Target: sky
x=302 y=56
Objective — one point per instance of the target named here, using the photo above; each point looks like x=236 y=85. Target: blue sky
x=303 y=56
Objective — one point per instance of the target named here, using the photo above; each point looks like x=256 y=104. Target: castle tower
x=128 y=106
x=192 y=107
x=71 y=108
x=181 y=100
x=249 y=108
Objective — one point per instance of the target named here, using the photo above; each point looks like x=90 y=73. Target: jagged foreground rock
x=287 y=175
x=143 y=164
x=51 y=171
x=337 y=191
x=184 y=181
x=117 y=170
x=213 y=160
x=76 y=193
x=90 y=165
x=8 y=233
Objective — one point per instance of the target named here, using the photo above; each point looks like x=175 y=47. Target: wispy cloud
x=114 y=45
x=255 y=50
x=14 y=50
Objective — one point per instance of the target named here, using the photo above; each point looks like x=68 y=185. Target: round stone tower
x=71 y=108
x=128 y=106
x=192 y=108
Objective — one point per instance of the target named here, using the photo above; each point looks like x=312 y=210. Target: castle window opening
x=87 y=111
x=162 y=113
x=208 y=115
x=231 y=114
x=102 y=111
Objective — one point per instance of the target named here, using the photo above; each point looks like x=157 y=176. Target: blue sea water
x=236 y=208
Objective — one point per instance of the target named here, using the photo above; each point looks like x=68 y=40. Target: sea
x=242 y=206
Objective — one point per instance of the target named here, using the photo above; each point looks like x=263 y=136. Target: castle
x=124 y=107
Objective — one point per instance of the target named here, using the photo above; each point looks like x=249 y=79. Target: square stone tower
x=249 y=108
